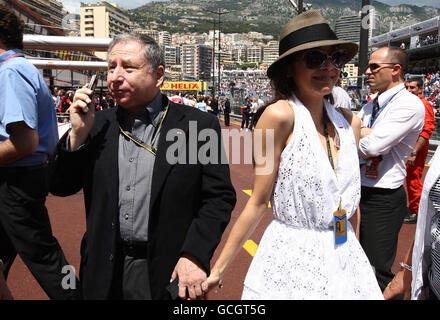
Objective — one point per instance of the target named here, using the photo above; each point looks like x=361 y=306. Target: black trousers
x=25 y=229
x=245 y=120
x=382 y=213
x=227 y=119
x=252 y=120
x=131 y=280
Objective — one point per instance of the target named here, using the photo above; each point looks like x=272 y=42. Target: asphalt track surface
x=67 y=216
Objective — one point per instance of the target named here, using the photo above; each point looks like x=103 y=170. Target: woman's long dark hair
x=282 y=84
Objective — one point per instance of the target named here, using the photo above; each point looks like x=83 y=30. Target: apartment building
x=49 y=10
x=171 y=55
x=255 y=54
x=164 y=38
x=103 y=20
x=196 y=62
x=239 y=53
x=151 y=33
x=351 y=70
x=224 y=56
x=348 y=28
x=33 y=22
x=270 y=52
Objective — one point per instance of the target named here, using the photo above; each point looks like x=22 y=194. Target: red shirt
x=429 y=125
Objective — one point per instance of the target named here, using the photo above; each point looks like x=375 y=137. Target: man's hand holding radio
x=82 y=116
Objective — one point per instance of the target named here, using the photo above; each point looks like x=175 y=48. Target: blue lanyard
x=372 y=120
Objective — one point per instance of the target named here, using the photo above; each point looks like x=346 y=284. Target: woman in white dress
x=309 y=250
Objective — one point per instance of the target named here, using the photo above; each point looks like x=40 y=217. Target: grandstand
x=240 y=84
x=420 y=40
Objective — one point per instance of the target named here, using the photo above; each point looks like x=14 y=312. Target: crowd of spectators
x=242 y=84
x=250 y=87
x=63 y=98
x=428 y=40
x=201 y=101
x=432 y=88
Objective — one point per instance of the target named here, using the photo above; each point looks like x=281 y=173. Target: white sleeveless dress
x=297 y=257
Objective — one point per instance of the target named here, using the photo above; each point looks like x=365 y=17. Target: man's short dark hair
x=11 y=28
x=399 y=56
x=419 y=81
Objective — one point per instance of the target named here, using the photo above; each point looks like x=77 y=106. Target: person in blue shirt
x=201 y=104
x=28 y=137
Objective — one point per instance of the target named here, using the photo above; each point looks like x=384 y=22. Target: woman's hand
x=5 y=293
x=401 y=284
x=214 y=279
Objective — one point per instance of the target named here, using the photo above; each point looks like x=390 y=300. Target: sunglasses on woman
x=316 y=59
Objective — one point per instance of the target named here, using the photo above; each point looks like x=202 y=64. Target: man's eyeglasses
x=316 y=59
x=377 y=66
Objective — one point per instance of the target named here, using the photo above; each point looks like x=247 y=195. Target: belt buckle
x=131 y=250
x=128 y=248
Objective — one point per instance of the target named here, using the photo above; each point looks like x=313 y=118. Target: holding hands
x=5 y=293
x=192 y=278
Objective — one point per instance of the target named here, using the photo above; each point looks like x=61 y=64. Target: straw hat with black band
x=305 y=31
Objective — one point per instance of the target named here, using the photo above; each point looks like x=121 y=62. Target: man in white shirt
x=260 y=102
x=391 y=125
x=256 y=104
x=341 y=97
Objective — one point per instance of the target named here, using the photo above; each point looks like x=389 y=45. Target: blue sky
x=73 y=5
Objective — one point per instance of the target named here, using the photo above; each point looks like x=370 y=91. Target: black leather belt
x=24 y=169
x=134 y=249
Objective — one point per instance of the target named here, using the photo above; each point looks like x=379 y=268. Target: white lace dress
x=297 y=257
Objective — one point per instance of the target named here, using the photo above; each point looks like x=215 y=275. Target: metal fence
x=63 y=117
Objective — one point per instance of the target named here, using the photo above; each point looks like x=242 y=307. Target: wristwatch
x=413 y=154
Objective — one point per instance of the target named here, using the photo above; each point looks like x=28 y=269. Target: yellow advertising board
x=184 y=85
